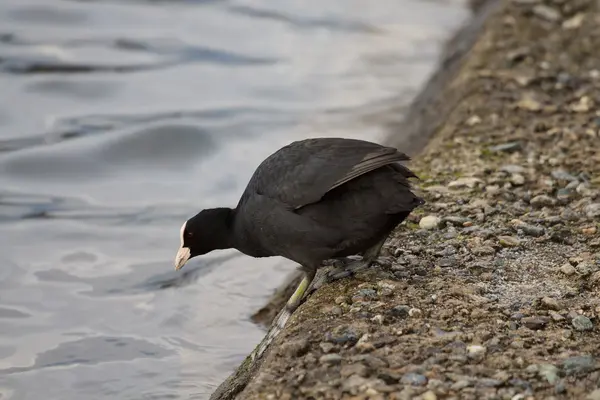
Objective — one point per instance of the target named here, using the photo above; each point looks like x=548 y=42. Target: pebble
x=429 y=395
x=342 y=335
x=460 y=384
x=578 y=365
x=528 y=229
x=354 y=369
x=476 y=351
x=473 y=120
x=593 y=210
x=455 y=220
x=555 y=316
x=414 y=379
x=506 y=147
x=400 y=311
x=415 y=312
x=429 y=222
x=508 y=241
x=483 y=251
x=545 y=12
x=330 y=359
x=569 y=215
x=446 y=262
x=466 y=182
x=568 y=269
x=517 y=180
x=535 y=323
x=549 y=372
x=512 y=169
x=563 y=175
x=574 y=22
x=589 y=231
x=530 y=104
x=582 y=323
x=354 y=382
x=583 y=105
x=542 y=201
x=550 y=303
x=326 y=347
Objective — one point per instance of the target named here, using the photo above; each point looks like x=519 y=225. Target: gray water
x=121 y=119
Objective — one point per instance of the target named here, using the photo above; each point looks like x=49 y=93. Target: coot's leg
x=292 y=304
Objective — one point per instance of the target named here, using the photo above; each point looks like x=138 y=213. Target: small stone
x=585 y=268
x=574 y=22
x=569 y=215
x=364 y=295
x=582 y=323
x=342 y=335
x=378 y=319
x=512 y=169
x=528 y=103
x=429 y=395
x=473 y=120
x=466 y=182
x=593 y=210
x=326 y=347
x=549 y=372
x=354 y=382
x=354 y=369
x=568 y=269
x=589 y=231
x=545 y=12
x=460 y=384
x=483 y=251
x=535 y=323
x=455 y=220
x=414 y=379
x=429 y=222
x=578 y=365
x=508 y=241
x=529 y=230
x=555 y=316
x=415 y=312
x=564 y=195
x=562 y=175
x=446 y=262
x=400 y=311
x=509 y=147
x=550 y=303
x=476 y=351
x=489 y=382
x=583 y=105
x=517 y=180
x=330 y=359
x=542 y=201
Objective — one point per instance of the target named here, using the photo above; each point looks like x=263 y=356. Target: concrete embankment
x=491 y=290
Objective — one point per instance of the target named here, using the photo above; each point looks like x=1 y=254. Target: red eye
x=188 y=234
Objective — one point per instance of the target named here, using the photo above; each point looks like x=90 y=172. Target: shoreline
x=492 y=289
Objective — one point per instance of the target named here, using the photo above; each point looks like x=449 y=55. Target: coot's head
x=206 y=231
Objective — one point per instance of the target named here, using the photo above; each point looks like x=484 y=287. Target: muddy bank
x=492 y=290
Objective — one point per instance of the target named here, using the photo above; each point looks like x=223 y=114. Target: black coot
x=312 y=200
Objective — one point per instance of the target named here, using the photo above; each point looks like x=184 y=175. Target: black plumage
x=310 y=201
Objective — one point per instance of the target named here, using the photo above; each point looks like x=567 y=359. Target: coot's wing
x=303 y=171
